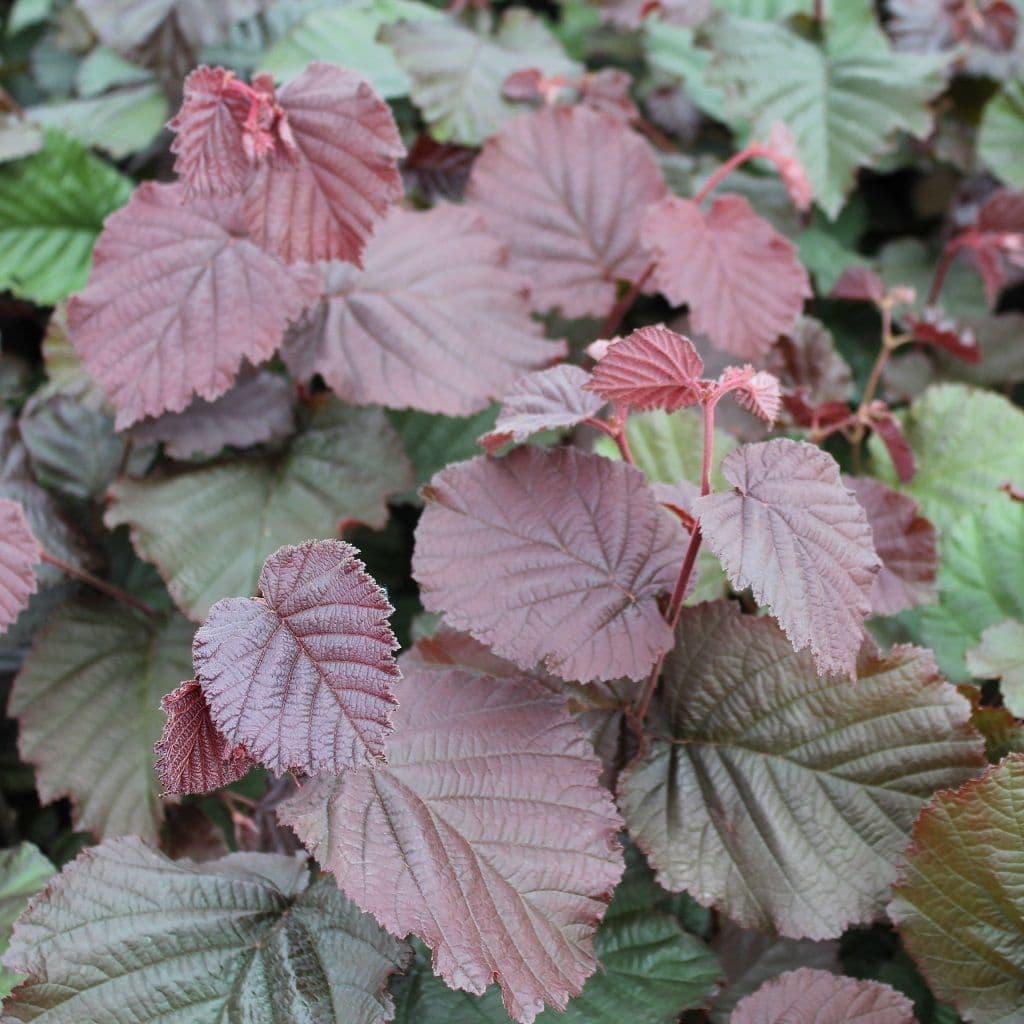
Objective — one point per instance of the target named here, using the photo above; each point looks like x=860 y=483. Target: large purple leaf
x=807 y=996
x=302 y=677
x=435 y=322
x=324 y=203
x=741 y=279
x=799 y=539
x=780 y=797
x=545 y=400
x=554 y=556
x=19 y=555
x=177 y=298
x=487 y=834
x=567 y=187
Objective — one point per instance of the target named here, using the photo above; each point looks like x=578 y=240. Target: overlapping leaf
x=843 y=101
x=23 y=872
x=905 y=542
x=325 y=201
x=566 y=188
x=123 y=929
x=177 y=299
x=208 y=530
x=546 y=400
x=302 y=676
x=652 y=368
x=741 y=279
x=19 y=554
x=1000 y=655
x=487 y=834
x=551 y=555
x=806 y=362
x=1001 y=124
x=781 y=797
x=959 y=901
x=87 y=701
x=807 y=996
x=792 y=532
x=435 y=322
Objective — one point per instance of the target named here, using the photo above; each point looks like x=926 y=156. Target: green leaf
x=959 y=901
x=781 y=797
x=347 y=35
x=672 y=50
x=52 y=206
x=119 y=122
x=1000 y=134
x=844 y=100
x=1000 y=655
x=457 y=74
x=88 y=702
x=104 y=69
x=209 y=530
x=967 y=444
x=124 y=933
x=23 y=872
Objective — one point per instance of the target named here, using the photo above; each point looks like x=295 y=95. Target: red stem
x=724 y=170
x=96 y=583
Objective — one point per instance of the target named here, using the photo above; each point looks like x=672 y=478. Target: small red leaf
x=652 y=368
x=934 y=328
x=19 y=554
x=781 y=149
x=439 y=170
x=756 y=390
x=905 y=542
x=325 y=202
x=566 y=187
x=803 y=414
x=545 y=400
x=741 y=278
x=302 y=677
x=889 y=430
x=192 y=755
x=793 y=533
x=224 y=129
x=859 y=284
x=178 y=297
x=997 y=241
x=551 y=555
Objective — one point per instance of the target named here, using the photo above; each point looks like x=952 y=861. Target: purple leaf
x=302 y=677
x=19 y=555
x=859 y=284
x=566 y=187
x=554 y=556
x=933 y=327
x=807 y=996
x=258 y=408
x=435 y=322
x=793 y=533
x=756 y=390
x=545 y=400
x=741 y=278
x=652 y=368
x=325 y=203
x=895 y=440
x=486 y=834
x=177 y=299
x=192 y=755
x=905 y=542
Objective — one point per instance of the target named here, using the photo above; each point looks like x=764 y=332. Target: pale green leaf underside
x=129 y=935
x=1000 y=655
x=209 y=530
x=1001 y=134
x=23 y=872
x=52 y=206
x=88 y=703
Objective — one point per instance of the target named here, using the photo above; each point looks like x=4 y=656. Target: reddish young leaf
x=859 y=284
x=808 y=996
x=905 y=542
x=192 y=754
x=756 y=390
x=546 y=400
x=302 y=676
x=923 y=26
x=435 y=322
x=889 y=430
x=652 y=368
x=996 y=241
x=224 y=129
x=607 y=89
x=932 y=327
x=177 y=299
x=566 y=187
x=816 y=416
x=325 y=202
x=806 y=362
x=439 y=170
x=487 y=833
x=551 y=555
x=741 y=278
x=793 y=533
x=19 y=554
x=781 y=150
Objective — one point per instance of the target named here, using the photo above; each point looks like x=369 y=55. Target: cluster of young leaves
x=683 y=479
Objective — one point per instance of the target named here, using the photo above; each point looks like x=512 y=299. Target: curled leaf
x=19 y=554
